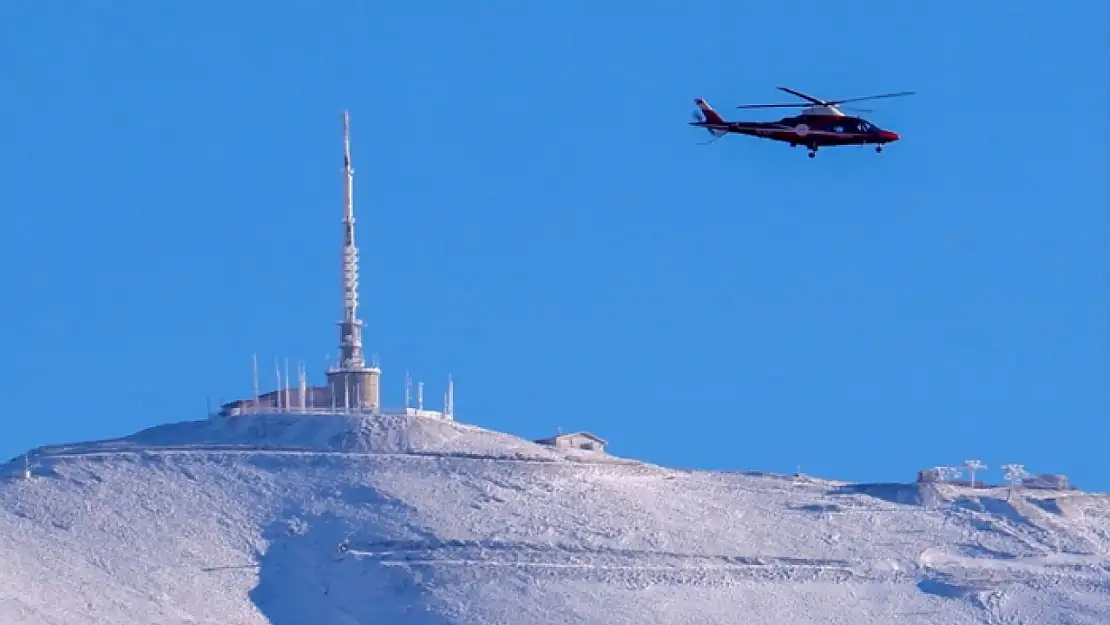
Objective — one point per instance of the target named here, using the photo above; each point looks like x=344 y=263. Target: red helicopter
x=820 y=124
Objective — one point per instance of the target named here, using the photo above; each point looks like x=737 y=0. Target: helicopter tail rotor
x=704 y=114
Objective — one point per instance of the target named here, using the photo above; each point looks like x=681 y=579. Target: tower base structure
x=356 y=389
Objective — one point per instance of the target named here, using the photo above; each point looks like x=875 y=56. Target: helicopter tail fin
x=711 y=116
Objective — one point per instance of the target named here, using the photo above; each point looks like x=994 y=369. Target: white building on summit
x=353 y=386
x=575 y=440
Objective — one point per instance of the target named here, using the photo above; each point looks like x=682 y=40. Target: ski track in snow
x=309 y=519
x=484 y=553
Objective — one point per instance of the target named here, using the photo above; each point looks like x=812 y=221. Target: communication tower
x=353 y=384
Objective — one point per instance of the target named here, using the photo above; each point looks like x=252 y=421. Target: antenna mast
x=408 y=390
x=286 y=387
x=449 y=399
x=351 y=328
x=254 y=359
x=350 y=374
x=302 y=385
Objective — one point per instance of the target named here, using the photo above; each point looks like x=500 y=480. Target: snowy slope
x=305 y=520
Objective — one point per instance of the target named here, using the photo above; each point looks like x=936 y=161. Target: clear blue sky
x=536 y=217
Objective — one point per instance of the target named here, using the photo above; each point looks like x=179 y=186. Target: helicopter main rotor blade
x=873 y=97
x=804 y=96
x=772 y=106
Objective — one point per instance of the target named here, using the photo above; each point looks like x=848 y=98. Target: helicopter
x=820 y=124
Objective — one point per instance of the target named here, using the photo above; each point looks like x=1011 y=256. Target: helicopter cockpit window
x=865 y=126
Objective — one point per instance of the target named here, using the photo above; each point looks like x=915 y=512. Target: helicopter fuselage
x=809 y=130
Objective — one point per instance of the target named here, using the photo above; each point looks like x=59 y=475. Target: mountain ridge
x=294 y=519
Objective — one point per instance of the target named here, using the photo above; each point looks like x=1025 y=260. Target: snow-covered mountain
x=325 y=519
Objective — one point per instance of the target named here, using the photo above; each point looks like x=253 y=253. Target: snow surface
x=326 y=519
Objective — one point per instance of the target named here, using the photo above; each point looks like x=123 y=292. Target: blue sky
x=536 y=218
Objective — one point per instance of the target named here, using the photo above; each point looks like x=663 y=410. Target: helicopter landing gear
x=812 y=151
x=878 y=148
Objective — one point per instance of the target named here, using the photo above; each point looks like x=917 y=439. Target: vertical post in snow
x=1013 y=472
x=408 y=391
x=277 y=391
x=254 y=382
x=973 y=466
x=449 y=399
x=288 y=405
x=420 y=396
x=302 y=386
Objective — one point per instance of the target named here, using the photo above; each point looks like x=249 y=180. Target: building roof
x=552 y=439
x=316 y=396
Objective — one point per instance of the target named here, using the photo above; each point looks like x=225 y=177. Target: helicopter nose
x=887 y=135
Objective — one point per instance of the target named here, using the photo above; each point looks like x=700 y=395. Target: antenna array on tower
x=353 y=387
